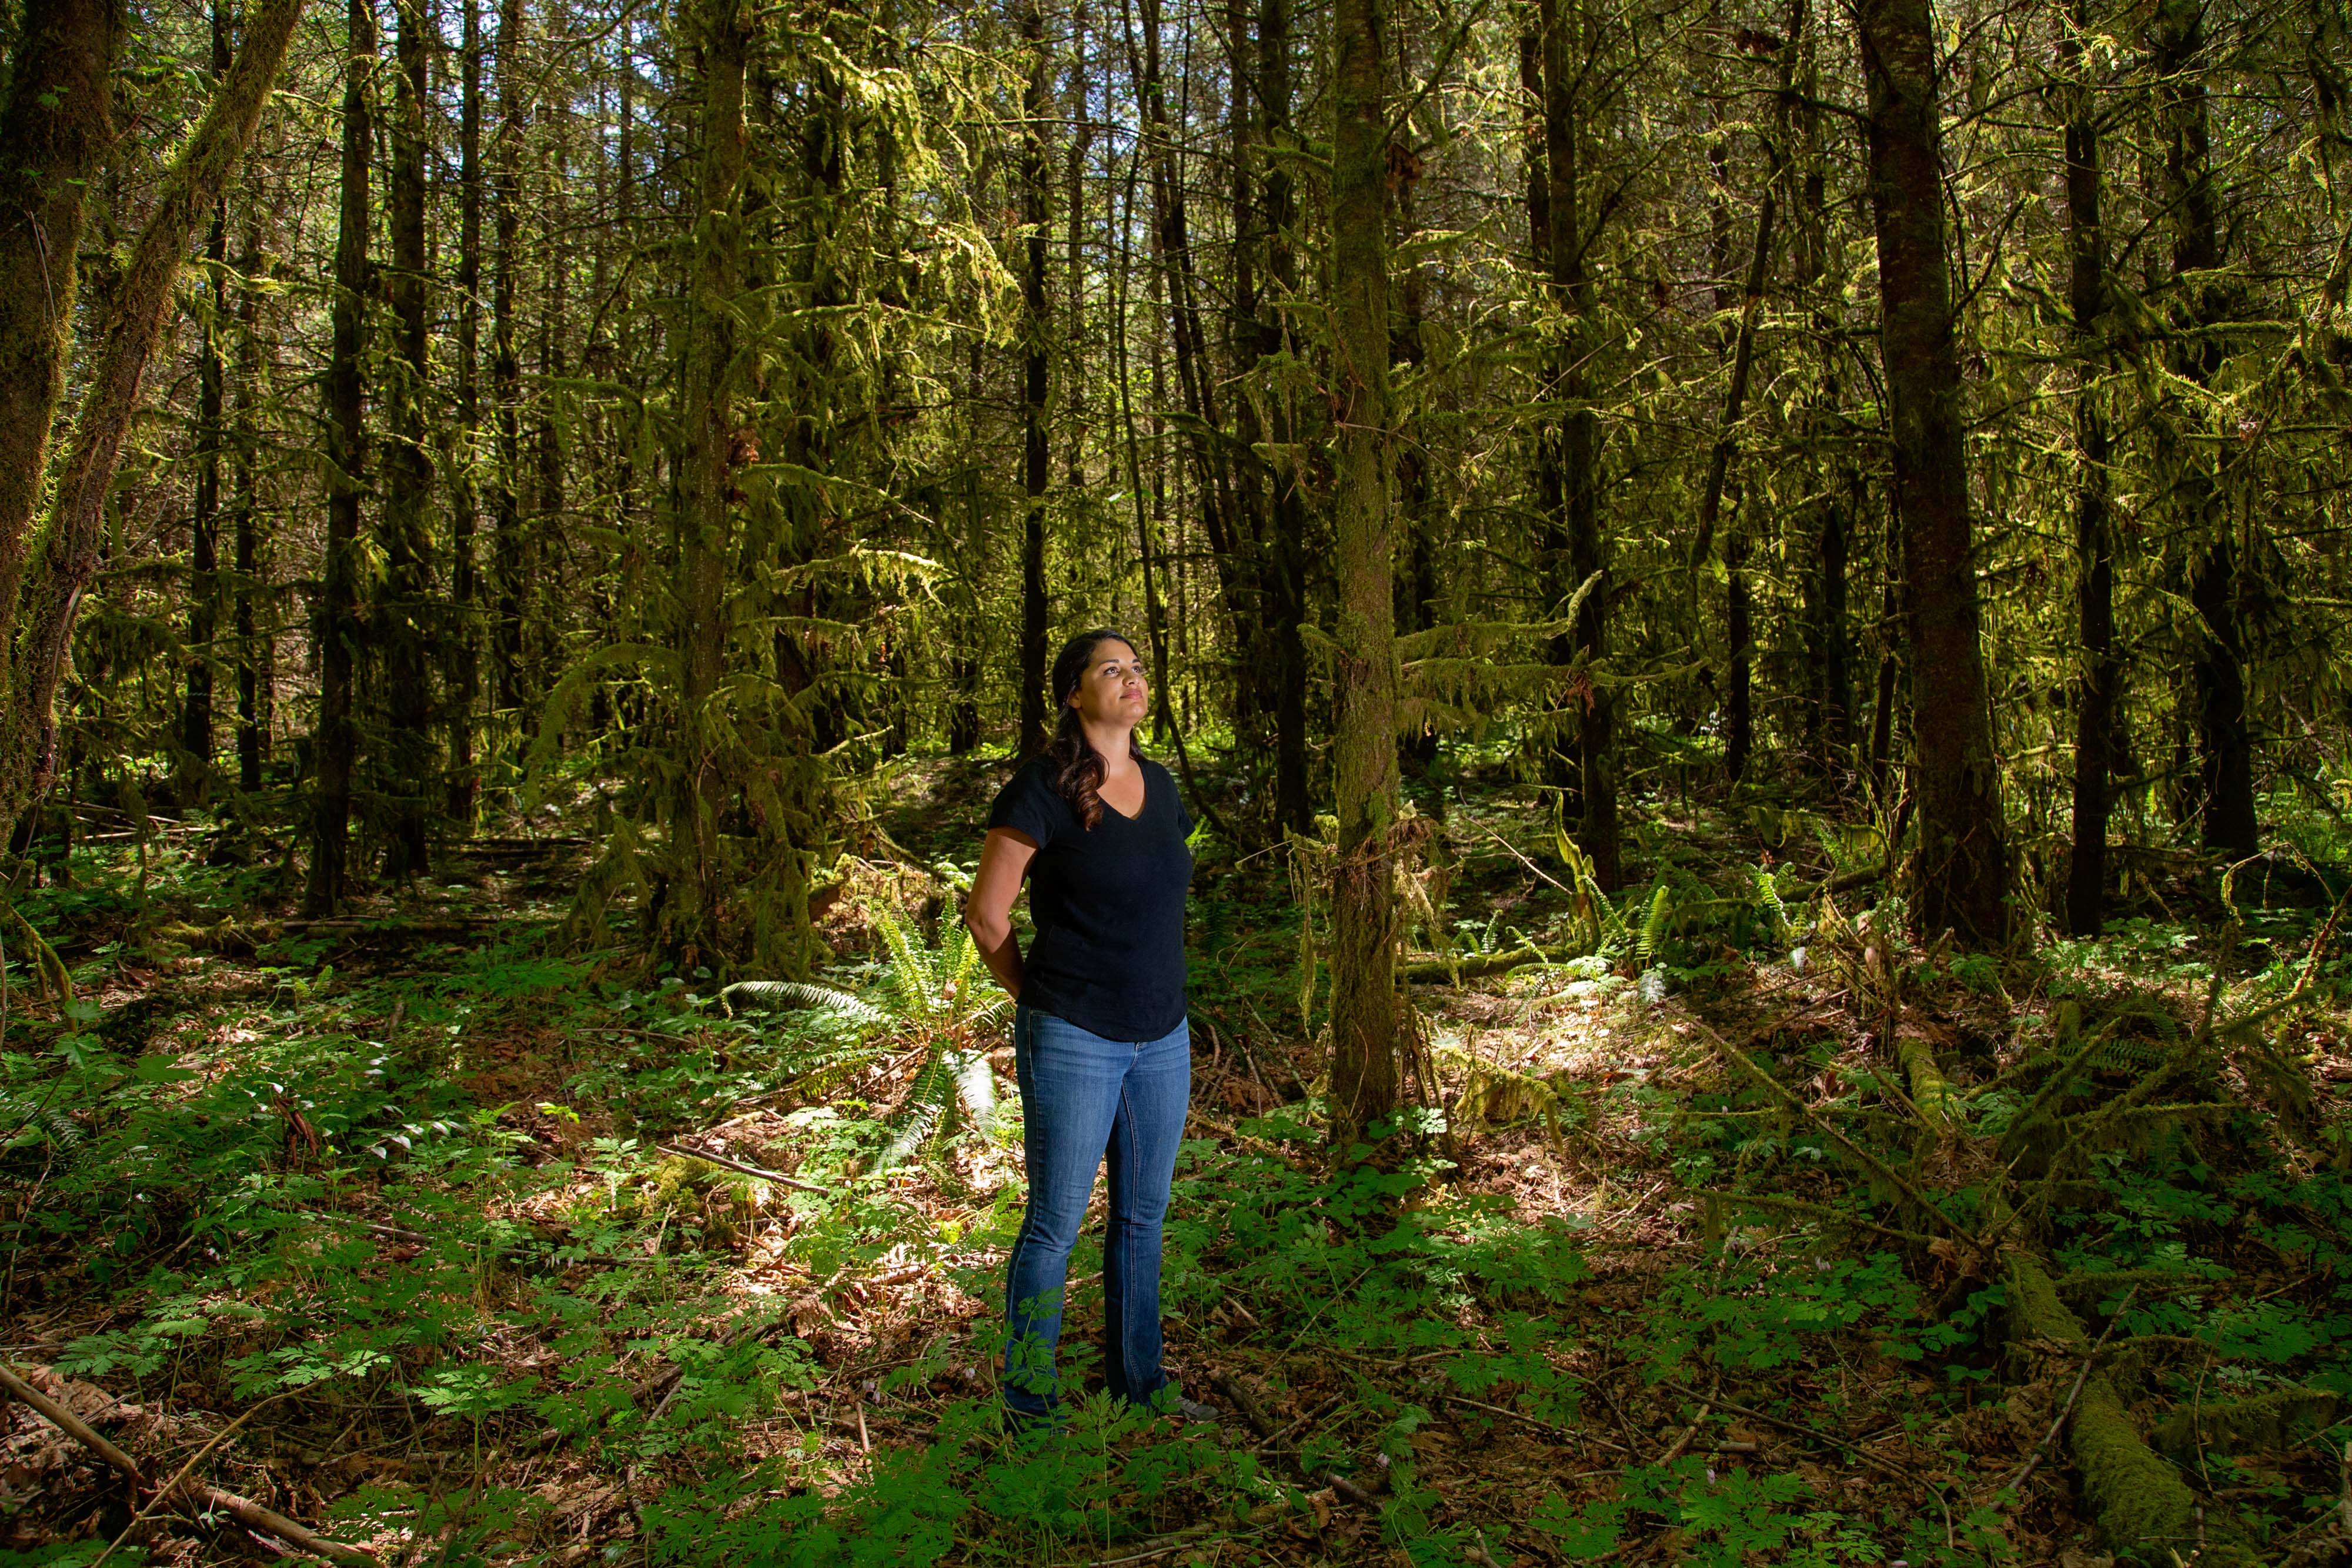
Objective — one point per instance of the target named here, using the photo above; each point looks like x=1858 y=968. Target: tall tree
x=1037 y=718
x=398 y=624
x=252 y=722
x=143 y=298
x=2095 y=545
x=464 y=675
x=1285 y=547
x=715 y=443
x=336 y=746
x=1568 y=456
x=1962 y=864
x=2202 y=300
x=1364 y=1018
x=58 y=121
x=203 y=542
x=506 y=585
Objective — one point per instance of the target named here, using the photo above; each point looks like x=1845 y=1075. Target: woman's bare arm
x=1004 y=861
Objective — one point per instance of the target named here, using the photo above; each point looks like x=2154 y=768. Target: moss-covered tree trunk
x=1962 y=858
x=1364 y=1020
x=338 y=622
x=67 y=555
x=57 y=123
x=715 y=443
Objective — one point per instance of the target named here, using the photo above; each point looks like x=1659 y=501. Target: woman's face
x=1113 y=689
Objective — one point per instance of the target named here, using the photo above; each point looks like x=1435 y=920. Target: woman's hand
x=988 y=914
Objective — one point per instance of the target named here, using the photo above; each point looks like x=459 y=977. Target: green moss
x=2138 y=1501
x=2141 y=1507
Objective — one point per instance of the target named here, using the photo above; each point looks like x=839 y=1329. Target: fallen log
x=2138 y=1503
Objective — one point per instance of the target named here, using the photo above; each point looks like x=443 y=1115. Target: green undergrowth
x=414 y=1197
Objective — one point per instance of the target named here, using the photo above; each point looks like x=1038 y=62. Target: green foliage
x=1730 y=1518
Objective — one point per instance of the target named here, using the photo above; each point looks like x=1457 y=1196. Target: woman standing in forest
x=1103 y=1054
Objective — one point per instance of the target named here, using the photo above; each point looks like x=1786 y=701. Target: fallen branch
x=1799 y=1429
x=1876 y=1166
x=1422 y=970
x=1821 y=1211
x=1690 y=1432
x=172 y=1485
x=1538 y=1423
x=2134 y=1497
x=243 y=1510
x=2018 y=1477
x=741 y=1168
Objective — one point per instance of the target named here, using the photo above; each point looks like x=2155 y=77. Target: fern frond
x=1655 y=926
x=916 y=984
x=55 y=1127
x=947 y=1079
x=1767 y=897
x=801 y=994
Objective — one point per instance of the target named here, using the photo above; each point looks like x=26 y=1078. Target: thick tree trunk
x=506 y=585
x=2095 y=547
x=57 y=124
x=1037 y=717
x=68 y=553
x=339 y=631
x=203 y=543
x=717 y=443
x=1364 y=1020
x=464 y=674
x=2225 y=744
x=1568 y=457
x=398 y=622
x=1963 y=853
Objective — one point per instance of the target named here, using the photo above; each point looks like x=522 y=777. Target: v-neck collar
x=1140 y=810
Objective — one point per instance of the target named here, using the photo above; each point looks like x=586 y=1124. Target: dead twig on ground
x=2019 y=1477
x=741 y=1169
x=245 y=1511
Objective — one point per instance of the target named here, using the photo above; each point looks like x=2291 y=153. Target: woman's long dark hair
x=1078 y=766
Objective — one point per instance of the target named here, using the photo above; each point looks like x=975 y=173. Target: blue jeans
x=1086 y=1101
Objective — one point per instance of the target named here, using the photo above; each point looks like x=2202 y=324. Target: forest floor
x=378 y=1224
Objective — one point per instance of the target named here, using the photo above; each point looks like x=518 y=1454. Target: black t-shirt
x=1109 y=905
